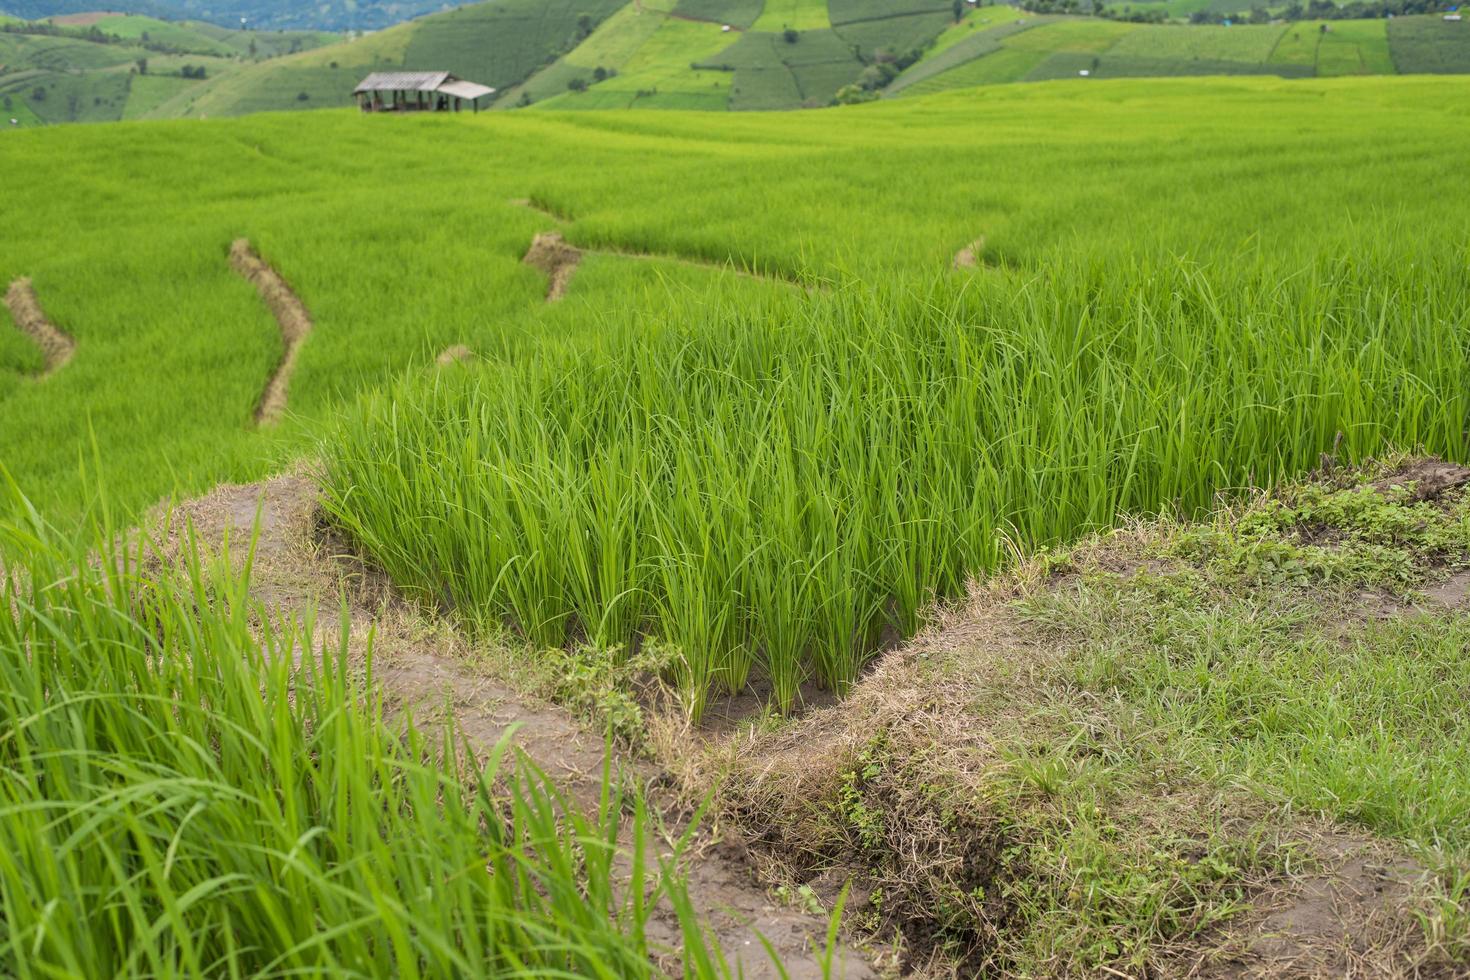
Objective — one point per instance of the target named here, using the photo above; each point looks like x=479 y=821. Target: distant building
x=418 y=91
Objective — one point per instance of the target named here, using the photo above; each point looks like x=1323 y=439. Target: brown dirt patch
x=1349 y=918
x=456 y=354
x=1429 y=478
x=423 y=665
x=81 y=20
x=290 y=314
x=553 y=255
x=969 y=256
x=57 y=346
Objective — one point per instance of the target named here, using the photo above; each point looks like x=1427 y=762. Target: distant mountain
x=330 y=15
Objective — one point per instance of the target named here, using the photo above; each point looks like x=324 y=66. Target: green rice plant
x=180 y=797
x=776 y=487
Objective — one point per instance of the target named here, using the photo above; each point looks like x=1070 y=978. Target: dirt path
x=553 y=255
x=549 y=240
x=57 y=346
x=290 y=314
x=424 y=665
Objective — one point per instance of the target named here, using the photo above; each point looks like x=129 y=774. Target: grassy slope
x=978 y=19
x=658 y=74
x=200 y=38
x=1100 y=764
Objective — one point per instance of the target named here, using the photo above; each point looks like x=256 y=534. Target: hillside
x=106 y=68
x=718 y=54
x=986 y=50
x=715 y=54
x=497 y=43
x=322 y=15
x=693 y=54
x=1028 y=532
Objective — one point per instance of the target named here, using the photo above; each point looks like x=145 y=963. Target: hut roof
x=465 y=90
x=403 y=81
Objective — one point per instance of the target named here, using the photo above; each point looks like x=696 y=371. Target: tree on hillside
x=142 y=66
x=959 y=10
x=584 y=25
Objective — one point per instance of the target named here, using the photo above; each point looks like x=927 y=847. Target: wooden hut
x=418 y=91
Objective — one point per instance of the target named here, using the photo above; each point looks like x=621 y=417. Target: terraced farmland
x=1041 y=48
x=1027 y=530
x=1429 y=44
x=55 y=79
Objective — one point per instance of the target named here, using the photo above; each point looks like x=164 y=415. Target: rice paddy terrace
x=659 y=414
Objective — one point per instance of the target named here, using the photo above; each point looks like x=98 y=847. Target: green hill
x=1038 y=48
x=785 y=54
x=498 y=43
x=123 y=67
x=679 y=54
x=276 y=15
x=737 y=54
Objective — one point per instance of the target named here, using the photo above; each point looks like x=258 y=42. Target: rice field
x=798 y=15
x=833 y=536
x=813 y=376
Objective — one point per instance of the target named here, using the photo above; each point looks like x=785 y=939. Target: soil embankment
x=57 y=346
x=292 y=317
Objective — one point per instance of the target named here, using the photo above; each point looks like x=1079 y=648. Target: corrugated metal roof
x=465 y=90
x=402 y=81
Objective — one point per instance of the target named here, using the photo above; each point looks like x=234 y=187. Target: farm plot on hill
x=772 y=72
x=63 y=97
x=893 y=28
x=974 y=21
x=969 y=61
x=1246 y=44
x=1032 y=50
x=736 y=13
x=1429 y=44
x=498 y=44
x=797 y=15
x=660 y=74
